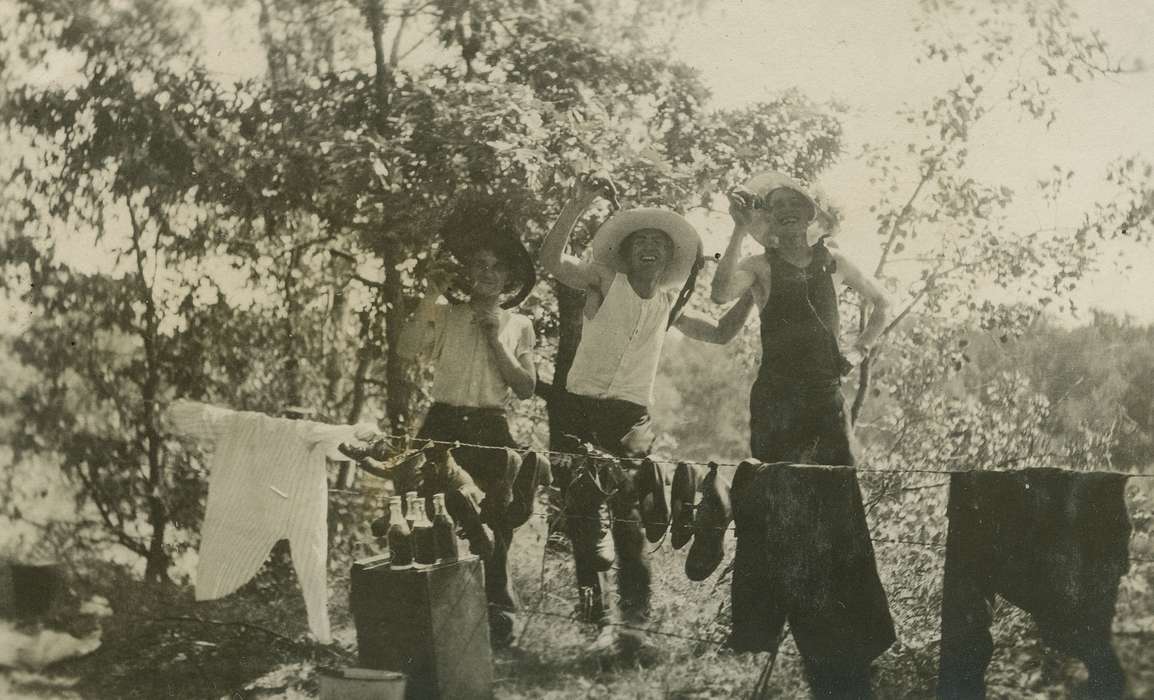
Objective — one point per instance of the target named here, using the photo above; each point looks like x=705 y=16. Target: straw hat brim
x=763 y=183
x=608 y=239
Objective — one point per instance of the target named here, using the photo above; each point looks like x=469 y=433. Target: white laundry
x=267 y=482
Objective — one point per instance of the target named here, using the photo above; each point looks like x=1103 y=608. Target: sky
x=864 y=56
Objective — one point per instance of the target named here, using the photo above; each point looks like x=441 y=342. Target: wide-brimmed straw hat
x=608 y=239
x=762 y=184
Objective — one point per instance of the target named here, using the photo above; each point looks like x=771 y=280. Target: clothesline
x=672 y=462
x=732 y=528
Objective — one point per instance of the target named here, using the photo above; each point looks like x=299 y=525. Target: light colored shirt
x=466 y=373
x=621 y=345
x=267 y=482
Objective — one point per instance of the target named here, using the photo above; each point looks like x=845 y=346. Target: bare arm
x=568 y=270
x=733 y=279
x=720 y=333
x=872 y=294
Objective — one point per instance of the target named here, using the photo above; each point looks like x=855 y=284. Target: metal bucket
x=361 y=684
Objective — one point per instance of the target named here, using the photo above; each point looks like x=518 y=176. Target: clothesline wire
x=408 y=439
x=732 y=528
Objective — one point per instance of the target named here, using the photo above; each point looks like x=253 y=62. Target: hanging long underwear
x=267 y=482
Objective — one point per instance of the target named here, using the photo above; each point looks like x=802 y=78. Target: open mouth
x=648 y=259
x=789 y=220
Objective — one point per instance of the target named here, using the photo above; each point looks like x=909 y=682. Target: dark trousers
x=621 y=429
x=801 y=423
x=482 y=426
x=804 y=556
x=1055 y=544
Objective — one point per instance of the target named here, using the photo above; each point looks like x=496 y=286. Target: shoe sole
x=468 y=518
x=529 y=478
x=683 y=497
x=652 y=501
x=712 y=519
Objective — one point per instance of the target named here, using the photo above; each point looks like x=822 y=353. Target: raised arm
x=419 y=331
x=872 y=293
x=569 y=270
x=732 y=279
x=721 y=332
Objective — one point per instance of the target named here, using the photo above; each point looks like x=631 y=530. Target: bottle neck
x=417 y=510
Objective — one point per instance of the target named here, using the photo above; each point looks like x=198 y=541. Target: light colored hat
x=607 y=241
x=763 y=183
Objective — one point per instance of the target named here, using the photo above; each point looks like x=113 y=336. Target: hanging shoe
x=711 y=519
x=682 y=501
x=649 y=485
x=585 y=519
x=534 y=472
x=463 y=501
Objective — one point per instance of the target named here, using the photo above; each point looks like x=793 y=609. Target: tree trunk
x=863 y=381
x=292 y=312
x=397 y=399
x=396 y=379
x=156 y=569
x=570 y=304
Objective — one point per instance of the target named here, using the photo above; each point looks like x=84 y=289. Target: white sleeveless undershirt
x=621 y=345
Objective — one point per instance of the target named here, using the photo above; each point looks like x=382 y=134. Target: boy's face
x=789 y=214
x=648 y=250
x=488 y=274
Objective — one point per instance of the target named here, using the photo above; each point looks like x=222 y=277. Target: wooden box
x=431 y=624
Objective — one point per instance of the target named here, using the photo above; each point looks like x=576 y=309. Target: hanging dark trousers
x=804 y=555
x=1052 y=542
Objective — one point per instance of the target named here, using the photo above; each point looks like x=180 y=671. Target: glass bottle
x=444 y=531
x=424 y=548
x=410 y=499
x=400 y=537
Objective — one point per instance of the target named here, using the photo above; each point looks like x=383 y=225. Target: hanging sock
x=804 y=555
x=267 y=482
x=1050 y=541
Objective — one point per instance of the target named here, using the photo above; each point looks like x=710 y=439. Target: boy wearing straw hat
x=797 y=412
x=642 y=272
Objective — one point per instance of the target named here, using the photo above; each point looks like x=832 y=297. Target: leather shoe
x=709 y=525
x=682 y=501
x=649 y=483
x=534 y=472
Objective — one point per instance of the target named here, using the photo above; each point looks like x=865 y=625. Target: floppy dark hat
x=509 y=249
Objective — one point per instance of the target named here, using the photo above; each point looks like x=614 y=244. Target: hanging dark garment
x=804 y=555
x=1053 y=543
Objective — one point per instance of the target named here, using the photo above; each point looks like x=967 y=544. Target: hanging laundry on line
x=1052 y=542
x=267 y=482
x=804 y=556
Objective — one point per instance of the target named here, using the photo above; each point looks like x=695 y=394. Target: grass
x=159 y=643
